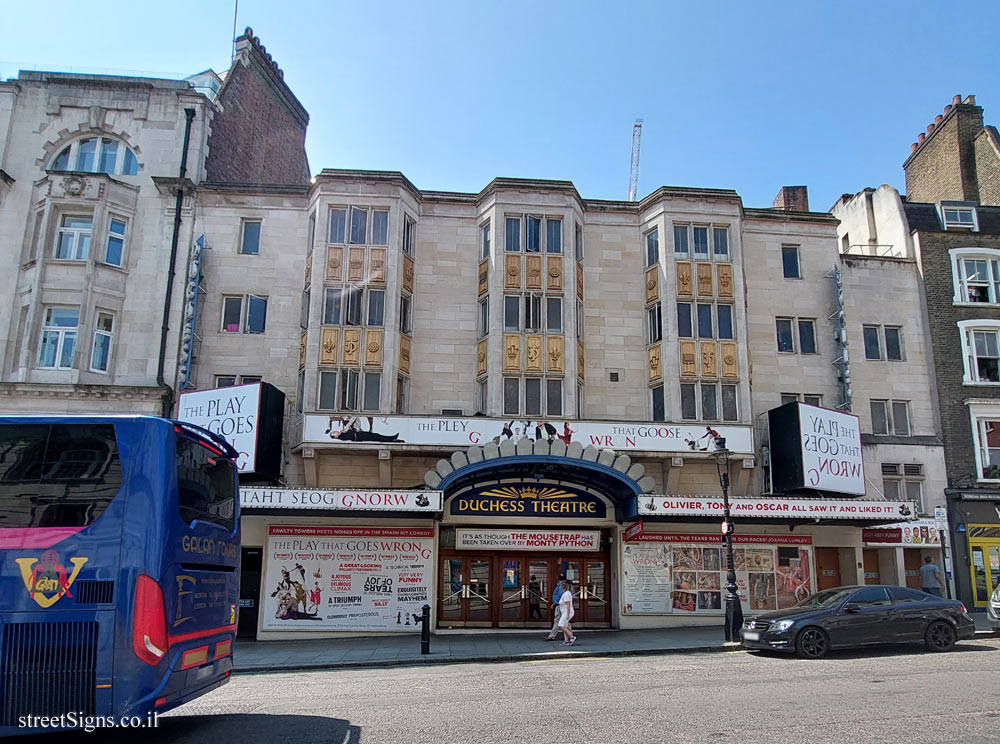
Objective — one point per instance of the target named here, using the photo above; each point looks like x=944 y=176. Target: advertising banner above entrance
x=588 y=540
x=712 y=506
x=526 y=500
x=316 y=498
x=465 y=432
x=917 y=533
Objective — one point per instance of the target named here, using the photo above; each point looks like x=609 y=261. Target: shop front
x=974 y=516
x=894 y=553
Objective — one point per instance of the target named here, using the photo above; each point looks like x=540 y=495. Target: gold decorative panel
x=556 y=363
x=512 y=353
x=579 y=281
x=689 y=359
x=408 y=274
x=512 y=272
x=334 y=264
x=730 y=360
x=655 y=367
x=684 y=285
x=652 y=284
x=709 y=360
x=302 y=351
x=329 y=346
x=352 y=346
x=404 y=355
x=484 y=278
x=579 y=359
x=356 y=265
x=481 y=357
x=705 y=280
x=533 y=353
x=725 y=279
x=533 y=272
x=309 y=271
x=376 y=265
x=554 y=273
x=373 y=348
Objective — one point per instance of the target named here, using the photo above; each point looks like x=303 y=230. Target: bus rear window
x=57 y=475
x=206 y=484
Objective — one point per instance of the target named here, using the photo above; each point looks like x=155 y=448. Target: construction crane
x=633 y=178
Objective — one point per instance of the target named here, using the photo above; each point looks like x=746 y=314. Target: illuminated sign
x=528 y=501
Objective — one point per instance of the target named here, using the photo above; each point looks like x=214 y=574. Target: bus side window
x=204 y=484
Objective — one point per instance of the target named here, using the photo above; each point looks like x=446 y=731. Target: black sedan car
x=852 y=616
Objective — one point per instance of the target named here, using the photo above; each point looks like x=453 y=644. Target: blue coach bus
x=119 y=568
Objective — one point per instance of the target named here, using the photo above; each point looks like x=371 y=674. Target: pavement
x=481 y=646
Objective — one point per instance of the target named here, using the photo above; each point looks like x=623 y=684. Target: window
x=700 y=242
x=233 y=319
x=784 y=329
x=533 y=396
x=533 y=234
x=987 y=431
x=512 y=234
x=655 y=323
x=312 y=231
x=348 y=390
x=115 y=249
x=97 y=155
x=807 y=337
x=380 y=227
x=579 y=242
x=511 y=396
x=787 y=398
x=981 y=344
x=701 y=401
x=73 y=237
x=872 y=347
x=553 y=315
x=376 y=307
x=962 y=217
x=709 y=403
x=893 y=343
x=659 y=404
x=730 y=407
x=652 y=247
x=553 y=235
x=813 y=400
x=705 y=329
x=327 y=391
x=248 y=379
x=688 y=402
x=224 y=381
x=485 y=252
x=720 y=239
x=482 y=398
x=332 y=301
x=338 y=225
x=899 y=594
x=542 y=397
x=402 y=395
x=352 y=305
x=100 y=355
x=304 y=310
x=404 y=314
x=580 y=320
x=975 y=275
x=300 y=391
x=684 y=326
x=681 y=240
x=484 y=317
x=903 y=483
x=790 y=262
x=511 y=313
x=59 y=329
x=206 y=484
x=890 y=417
x=579 y=401
x=250 y=243
x=870 y=597
x=883 y=342
x=532 y=312
x=553 y=397
x=359 y=225
x=724 y=314
x=409 y=227
x=373 y=391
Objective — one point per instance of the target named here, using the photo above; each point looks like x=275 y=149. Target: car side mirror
x=851 y=608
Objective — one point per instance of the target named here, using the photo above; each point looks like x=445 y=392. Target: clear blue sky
x=742 y=95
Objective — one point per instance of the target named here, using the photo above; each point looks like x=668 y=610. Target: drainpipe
x=168 y=396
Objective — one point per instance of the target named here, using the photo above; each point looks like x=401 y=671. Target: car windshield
x=825 y=599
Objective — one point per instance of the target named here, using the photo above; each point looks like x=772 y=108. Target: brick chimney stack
x=942 y=162
x=792 y=199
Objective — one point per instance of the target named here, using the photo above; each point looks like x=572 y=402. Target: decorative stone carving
x=533 y=272
x=404 y=355
x=579 y=281
x=356 y=265
x=329 y=346
x=725 y=272
x=512 y=272
x=705 y=288
x=555 y=356
x=512 y=353
x=684 y=286
x=376 y=265
x=309 y=271
x=302 y=351
x=408 y=274
x=484 y=277
x=352 y=346
x=709 y=363
x=554 y=273
x=481 y=357
x=373 y=348
x=652 y=284
x=533 y=354
x=655 y=366
x=579 y=360
x=689 y=359
x=334 y=264
x=730 y=360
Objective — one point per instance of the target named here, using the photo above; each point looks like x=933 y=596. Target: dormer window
x=959 y=216
x=97 y=155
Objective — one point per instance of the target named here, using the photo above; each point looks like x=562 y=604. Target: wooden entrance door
x=911 y=565
x=869 y=557
x=827 y=568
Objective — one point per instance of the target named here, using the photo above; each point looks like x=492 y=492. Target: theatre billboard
x=815 y=449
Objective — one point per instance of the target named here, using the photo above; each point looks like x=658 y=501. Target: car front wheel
x=940 y=636
x=812 y=643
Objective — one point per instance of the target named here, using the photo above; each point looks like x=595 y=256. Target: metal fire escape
x=840 y=334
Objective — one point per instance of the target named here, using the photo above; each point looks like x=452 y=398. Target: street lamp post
x=734 y=610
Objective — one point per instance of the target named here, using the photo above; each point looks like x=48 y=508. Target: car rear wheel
x=940 y=636
x=812 y=643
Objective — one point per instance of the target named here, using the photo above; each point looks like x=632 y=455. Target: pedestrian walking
x=534 y=598
x=930 y=577
x=556 y=596
x=566 y=613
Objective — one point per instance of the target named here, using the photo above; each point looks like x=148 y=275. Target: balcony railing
x=878 y=251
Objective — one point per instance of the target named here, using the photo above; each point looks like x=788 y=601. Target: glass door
x=452 y=592
x=478 y=593
x=465 y=592
x=539 y=593
x=595 y=592
x=513 y=592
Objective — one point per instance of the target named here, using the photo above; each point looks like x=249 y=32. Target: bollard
x=425 y=630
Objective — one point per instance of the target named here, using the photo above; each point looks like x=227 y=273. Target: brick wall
x=987 y=152
x=943 y=167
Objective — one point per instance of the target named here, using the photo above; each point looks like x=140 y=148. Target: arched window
x=97 y=155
